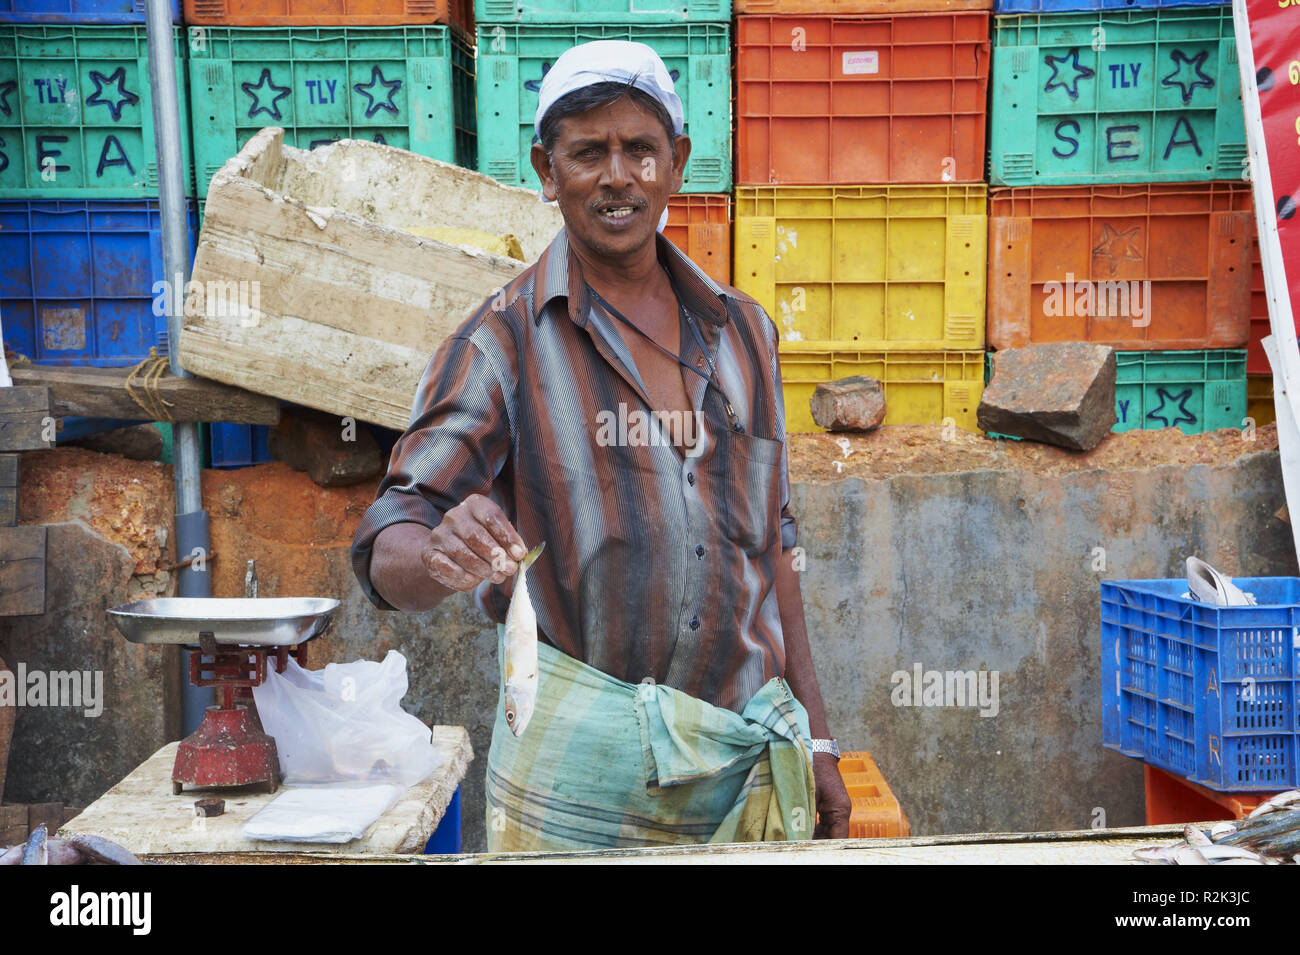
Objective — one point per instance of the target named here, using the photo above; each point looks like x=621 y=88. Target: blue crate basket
x=77 y=279
x=238 y=445
x=1209 y=693
x=446 y=838
x=78 y=11
x=1066 y=6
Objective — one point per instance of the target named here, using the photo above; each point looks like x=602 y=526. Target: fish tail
x=531 y=556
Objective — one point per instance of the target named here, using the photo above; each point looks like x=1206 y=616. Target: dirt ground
x=922 y=449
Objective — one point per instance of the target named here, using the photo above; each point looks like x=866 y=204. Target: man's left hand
x=833 y=806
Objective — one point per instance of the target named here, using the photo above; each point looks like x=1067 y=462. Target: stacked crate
x=399 y=72
x=518 y=40
x=860 y=197
x=1120 y=213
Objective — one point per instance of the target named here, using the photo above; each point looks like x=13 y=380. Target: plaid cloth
x=607 y=764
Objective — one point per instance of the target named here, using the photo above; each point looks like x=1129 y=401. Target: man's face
x=611 y=172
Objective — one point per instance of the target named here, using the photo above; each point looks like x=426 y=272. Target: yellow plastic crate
x=876 y=813
x=1259 y=399
x=921 y=387
x=864 y=266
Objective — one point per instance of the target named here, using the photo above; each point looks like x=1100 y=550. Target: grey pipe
x=191 y=520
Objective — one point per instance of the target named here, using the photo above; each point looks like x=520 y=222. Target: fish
x=12 y=856
x=99 y=849
x=1195 y=837
x=1262 y=828
x=1222 y=829
x=36 y=852
x=62 y=852
x=1215 y=853
x=1190 y=855
x=521 y=650
x=1280 y=801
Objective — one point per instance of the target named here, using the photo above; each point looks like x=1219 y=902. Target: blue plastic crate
x=78 y=11
x=238 y=445
x=77 y=279
x=1210 y=693
x=446 y=838
x=1063 y=6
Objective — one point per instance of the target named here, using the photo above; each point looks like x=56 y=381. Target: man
x=616 y=403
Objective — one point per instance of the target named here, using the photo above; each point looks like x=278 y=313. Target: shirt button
x=695 y=623
x=690 y=479
x=699 y=550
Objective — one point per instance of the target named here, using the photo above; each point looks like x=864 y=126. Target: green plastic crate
x=168 y=451
x=1160 y=103
x=602 y=11
x=514 y=57
x=1195 y=391
x=76 y=115
x=410 y=87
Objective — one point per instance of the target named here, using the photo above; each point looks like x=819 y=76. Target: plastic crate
x=920 y=387
x=78 y=11
x=169 y=444
x=876 y=814
x=306 y=13
x=601 y=11
x=1194 y=391
x=885 y=99
x=853 y=7
x=238 y=445
x=1259 y=399
x=512 y=59
x=1066 y=6
x=1067 y=264
x=700 y=225
x=862 y=266
x=78 y=119
x=1160 y=103
x=1173 y=800
x=409 y=87
x=1208 y=693
x=1256 y=358
x=77 y=279
x=446 y=838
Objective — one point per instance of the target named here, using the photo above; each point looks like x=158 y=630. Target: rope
x=147 y=373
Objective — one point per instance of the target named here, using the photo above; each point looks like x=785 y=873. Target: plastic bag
x=345 y=723
x=337 y=813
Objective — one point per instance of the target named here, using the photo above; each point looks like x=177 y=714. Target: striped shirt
x=660 y=561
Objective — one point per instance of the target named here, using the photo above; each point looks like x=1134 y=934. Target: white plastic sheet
x=335 y=813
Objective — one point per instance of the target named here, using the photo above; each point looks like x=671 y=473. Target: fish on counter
x=1270 y=835
x=40 y=849
x=521 y=650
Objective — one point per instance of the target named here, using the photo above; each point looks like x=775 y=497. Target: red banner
x=1275 y=38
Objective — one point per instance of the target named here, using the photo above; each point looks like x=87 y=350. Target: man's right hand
x=474 y=542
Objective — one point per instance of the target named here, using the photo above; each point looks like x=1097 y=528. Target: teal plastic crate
x=1194 y=391
x=410 y=87
x=1158 y=101
x=76 y=115
x=514 y=57
x=602 y=11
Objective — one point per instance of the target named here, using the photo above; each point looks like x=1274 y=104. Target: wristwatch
x=826 y=746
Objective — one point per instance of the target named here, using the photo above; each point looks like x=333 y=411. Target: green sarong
x=607 y=764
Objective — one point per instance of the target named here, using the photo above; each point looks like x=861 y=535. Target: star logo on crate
x=374 y=105
x=123 y=97
x=255 y=90
x=1180 y=413
x=1198 y=79
x=7 y=87
x=1070 y=84
x=1118 y=246
x=536 y=85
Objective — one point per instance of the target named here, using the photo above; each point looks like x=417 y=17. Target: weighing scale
x=233 y=638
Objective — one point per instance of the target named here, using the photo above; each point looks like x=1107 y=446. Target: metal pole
x=191 y=520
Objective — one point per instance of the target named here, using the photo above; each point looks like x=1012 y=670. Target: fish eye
x=510 y=716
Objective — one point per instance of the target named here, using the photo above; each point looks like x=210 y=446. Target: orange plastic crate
x=1172 y=799
x=1191 y=241
x=824 y=99
x=876 y=813
x=328 y=13
x=700 y=225
x=843 y=7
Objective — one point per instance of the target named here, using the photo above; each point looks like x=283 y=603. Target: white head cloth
x=610 y=61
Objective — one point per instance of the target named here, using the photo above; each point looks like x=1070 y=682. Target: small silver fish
x=1223 y=829
x=12 y=855
x=521 y=650
x=1158 y=854
x=1196 y=837
x=1190 y=855
x=1219 y=853
x=99 y=849
x=36 y=852
x=1280 y=801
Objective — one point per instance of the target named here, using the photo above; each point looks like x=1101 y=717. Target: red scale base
x=229 y=748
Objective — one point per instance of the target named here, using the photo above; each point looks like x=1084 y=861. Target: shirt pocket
x=747 y=483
